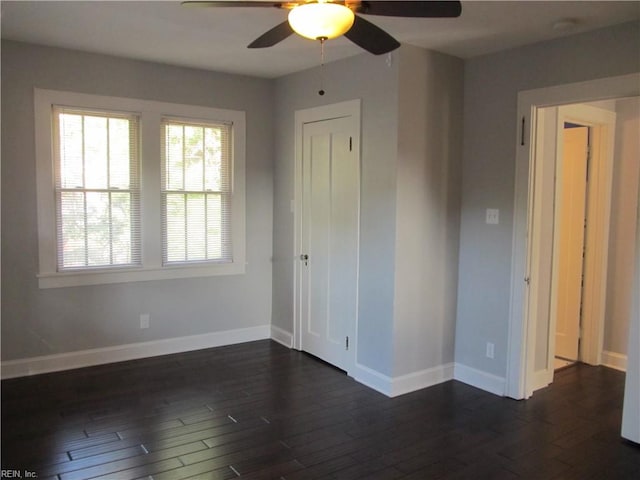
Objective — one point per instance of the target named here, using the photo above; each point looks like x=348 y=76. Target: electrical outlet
x=144 y=320
x=490 y=349
x=493 y=216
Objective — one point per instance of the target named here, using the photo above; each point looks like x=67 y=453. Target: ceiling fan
x=326 y=19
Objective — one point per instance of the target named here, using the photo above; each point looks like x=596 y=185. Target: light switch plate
x=493 y=216
x=490 y=350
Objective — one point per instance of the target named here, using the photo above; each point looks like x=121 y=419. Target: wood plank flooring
x=261 y=411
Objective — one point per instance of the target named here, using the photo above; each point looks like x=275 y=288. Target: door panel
x=571 y=245
x=330 y=203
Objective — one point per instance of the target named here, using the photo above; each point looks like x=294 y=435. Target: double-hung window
x=196 y=191
x=134 y=190
x=97 y=188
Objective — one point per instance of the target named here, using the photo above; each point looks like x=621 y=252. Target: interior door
x=330 y=220
x=573 y=184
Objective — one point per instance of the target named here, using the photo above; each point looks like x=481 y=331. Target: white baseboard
x=422 y=379
x=479 y=379
x=372 y=379
x=614 y=360
x=131 y=351
x=396 y=386
x=281 y=336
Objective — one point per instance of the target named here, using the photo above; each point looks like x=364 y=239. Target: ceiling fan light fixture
x=321 y=20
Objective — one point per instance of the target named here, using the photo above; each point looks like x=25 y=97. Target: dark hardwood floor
x=258 y=410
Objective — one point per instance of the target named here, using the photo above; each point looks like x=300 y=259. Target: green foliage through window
x=196 y=192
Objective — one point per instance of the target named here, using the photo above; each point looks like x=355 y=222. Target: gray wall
x=622 y=234
x=490 y=125
x=39 y=322
x=427 y=209
x=372 y=80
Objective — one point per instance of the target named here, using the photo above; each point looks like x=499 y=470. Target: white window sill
x=101 y=277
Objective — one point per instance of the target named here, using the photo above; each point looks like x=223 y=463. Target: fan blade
x=373 y=39
x=273 y=36
x=232 y=3
x=411 y=9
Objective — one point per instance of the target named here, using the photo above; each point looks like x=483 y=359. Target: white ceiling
x=216 y=38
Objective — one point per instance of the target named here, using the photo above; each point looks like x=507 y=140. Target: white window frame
x=150 y=113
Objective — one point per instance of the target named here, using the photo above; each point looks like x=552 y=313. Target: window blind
x=97 y=189
x=196 y=191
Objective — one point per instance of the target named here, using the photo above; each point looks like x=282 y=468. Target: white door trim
x=350 y=108
x=523 y=269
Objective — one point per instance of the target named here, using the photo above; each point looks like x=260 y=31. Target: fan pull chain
x=322 y=40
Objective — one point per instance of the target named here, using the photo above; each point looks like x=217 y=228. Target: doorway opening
x=585 y=136
x=570 y=212
x=532 y=334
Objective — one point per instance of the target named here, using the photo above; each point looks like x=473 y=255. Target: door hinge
x=522 y=132
x=351 y=144
x=346 y=343
x=588 y=162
